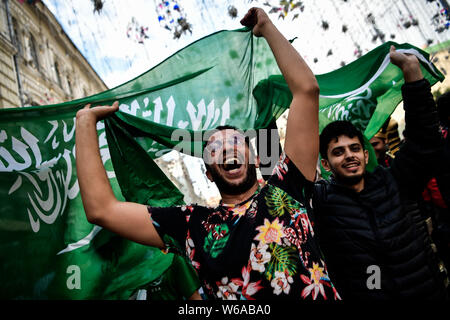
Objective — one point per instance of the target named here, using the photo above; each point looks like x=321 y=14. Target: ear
x=257 y=161
x=366 y=156
x=208 y=174
x=325 y=164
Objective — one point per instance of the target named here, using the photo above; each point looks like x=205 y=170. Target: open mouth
x=232 y=165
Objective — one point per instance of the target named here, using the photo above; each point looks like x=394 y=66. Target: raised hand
x=257 y=19
x=408 y=63
x=99 y=112
x=400 y=59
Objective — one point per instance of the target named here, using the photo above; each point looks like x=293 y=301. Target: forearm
x=96 y=192
x=416 y=162
x=422 y=124
x=421 y=119
x=296 y=72
x=302 y=129
x=412 y=72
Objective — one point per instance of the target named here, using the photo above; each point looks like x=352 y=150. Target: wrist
x=85 y=116
x=411 y=71
x=266 y=27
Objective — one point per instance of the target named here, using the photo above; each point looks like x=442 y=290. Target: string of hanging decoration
x=285 y=7
x=172 y=17
x=98 y=5
x=136 y=32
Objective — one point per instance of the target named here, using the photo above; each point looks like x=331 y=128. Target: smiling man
x=230 y=162
x=258 y=243
x=369 y=223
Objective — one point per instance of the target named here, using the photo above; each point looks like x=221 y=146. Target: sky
x=102 y=37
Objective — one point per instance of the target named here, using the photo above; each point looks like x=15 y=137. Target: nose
x=348 y=153
x=231 y=144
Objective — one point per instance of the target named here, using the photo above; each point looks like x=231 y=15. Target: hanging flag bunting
x=136 y=32
x=284 y=7
x=98 y=5
x=172 y=17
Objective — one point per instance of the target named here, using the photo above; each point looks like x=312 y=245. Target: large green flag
x=49 y=250
x=365 y=92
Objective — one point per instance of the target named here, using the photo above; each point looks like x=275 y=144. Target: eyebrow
x=337 y=148
x=350 y=146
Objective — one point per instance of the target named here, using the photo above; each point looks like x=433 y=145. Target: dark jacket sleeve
x=415 y=163
x=443 y=175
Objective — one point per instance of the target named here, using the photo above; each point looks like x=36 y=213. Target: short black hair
x=334 y=130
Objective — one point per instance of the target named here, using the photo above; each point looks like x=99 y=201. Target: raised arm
x=302 y=132
x=129 y=220
x=416 y=160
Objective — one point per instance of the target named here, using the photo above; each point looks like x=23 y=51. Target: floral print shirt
x=263 y=248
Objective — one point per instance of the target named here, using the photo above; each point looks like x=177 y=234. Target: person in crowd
x=375 y=244
x=386 y=142
x=259 y=242
x=379 y=145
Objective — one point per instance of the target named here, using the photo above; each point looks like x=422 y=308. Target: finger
x=244 y=19
x=116 y=105
x=87 y=106
x=249 y=18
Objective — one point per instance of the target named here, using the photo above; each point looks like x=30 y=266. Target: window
x=16 y=39
x=33 y=52
x=69 y=86
x=58 y=77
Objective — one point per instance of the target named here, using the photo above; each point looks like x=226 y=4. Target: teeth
x=231 y=161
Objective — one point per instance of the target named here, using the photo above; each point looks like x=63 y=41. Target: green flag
x=365 y=92
x=47 y=247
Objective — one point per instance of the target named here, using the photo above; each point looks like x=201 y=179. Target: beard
x=232 y=188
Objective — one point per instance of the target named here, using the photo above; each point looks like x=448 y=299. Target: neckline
x=221 y=204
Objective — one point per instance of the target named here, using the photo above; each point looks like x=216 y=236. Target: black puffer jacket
x=382 y=224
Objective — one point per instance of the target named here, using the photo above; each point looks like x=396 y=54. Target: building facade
x=39 y=64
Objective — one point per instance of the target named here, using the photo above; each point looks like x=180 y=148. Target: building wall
x=50 y=67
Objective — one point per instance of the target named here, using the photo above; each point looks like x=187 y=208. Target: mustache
x=231 y=188
x=351 y=161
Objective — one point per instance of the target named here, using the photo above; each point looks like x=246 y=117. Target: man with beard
x=369 y=223
x=258 y=243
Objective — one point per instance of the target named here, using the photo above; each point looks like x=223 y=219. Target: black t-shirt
x=263 y=248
